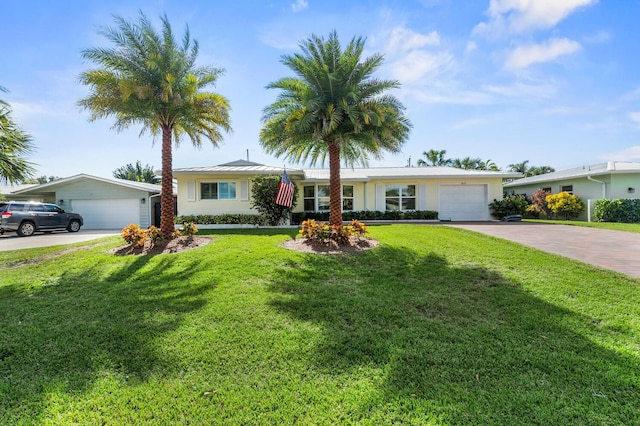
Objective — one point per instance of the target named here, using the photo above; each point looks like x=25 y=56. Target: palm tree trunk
x=166 y=198
x=335 y=190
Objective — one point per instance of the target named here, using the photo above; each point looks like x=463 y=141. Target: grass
x=615 y=226
x=436 y=326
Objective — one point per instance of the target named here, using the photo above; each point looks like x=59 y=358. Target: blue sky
x=553 y=82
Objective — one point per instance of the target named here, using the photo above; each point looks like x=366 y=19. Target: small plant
x=133 y=235
x=154 y=235
x=189 y=229
x=565 y=205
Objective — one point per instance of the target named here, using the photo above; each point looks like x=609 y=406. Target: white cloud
x=415 y=65
x=635 y=117
x=526 y=55
x=299 y=5
x=517 y=16
x=599 y=37
x=471 y=47
x=629 y=154
x=403 y=40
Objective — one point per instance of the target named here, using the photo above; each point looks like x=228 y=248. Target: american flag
x=284 y=196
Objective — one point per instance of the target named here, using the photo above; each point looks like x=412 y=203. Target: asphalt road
x=11 y=241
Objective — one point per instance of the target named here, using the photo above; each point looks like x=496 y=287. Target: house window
x=567 y=188
x=547 y=189
x=218 y=191
x=400 y=197
x=316 y=198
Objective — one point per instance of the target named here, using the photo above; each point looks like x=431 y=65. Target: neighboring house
x=611 y=180
x=6 y=190
x=456 y=194
x=103 y=203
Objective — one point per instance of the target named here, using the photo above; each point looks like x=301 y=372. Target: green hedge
x=625 y=211
x=221 y=219
x=364 y=215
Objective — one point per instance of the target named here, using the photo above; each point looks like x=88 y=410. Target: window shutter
x=381 y=204
x=244 y=190
x=191 y=190
x=422 y=194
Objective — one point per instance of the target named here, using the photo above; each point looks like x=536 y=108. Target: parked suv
x=25 y=218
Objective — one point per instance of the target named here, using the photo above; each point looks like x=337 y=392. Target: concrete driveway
x=615 y=250
x=11 y=241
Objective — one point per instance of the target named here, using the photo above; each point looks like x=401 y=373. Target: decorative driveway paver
x=615 y=250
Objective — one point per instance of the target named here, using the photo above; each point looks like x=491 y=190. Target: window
x=547 y=189
x=567 y=188
x=400 y=197
x=316 y=198
x=218 y=191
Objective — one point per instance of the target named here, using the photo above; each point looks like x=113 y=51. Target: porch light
x=143 y=200
x=631 y=190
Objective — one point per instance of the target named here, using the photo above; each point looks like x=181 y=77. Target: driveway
x=614 y=250
x=11 y=241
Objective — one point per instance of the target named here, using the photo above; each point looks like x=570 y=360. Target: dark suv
x=25 y=218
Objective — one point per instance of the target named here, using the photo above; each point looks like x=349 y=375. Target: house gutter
x=604 y=195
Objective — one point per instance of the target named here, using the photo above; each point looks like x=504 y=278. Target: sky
x=553 y=82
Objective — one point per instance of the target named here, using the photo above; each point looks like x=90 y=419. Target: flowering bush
x=133 y=235
x=539 y=203
x=565 y=205
x=320 y=231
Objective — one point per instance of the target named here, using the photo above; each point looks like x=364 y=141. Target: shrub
x=189 y=229
x=263 y=195
x=298 y=218
x=539 y=203
x=513 y=204
x=320 y=231
x=222 y=219
x=565 y=205
x=133 y=235
x=626 y=211
x=154 y=235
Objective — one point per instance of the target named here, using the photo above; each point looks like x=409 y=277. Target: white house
x=611 y=180
x=103 y=203
x=456 y=194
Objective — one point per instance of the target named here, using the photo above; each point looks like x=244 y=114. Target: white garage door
x=463 y=202
x=108 y=214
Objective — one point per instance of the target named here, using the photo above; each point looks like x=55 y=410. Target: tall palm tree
x=539 y=170
x=136 y=172
x=333 y=107
x=149 y=79
x=519 y=167
x=15 y=144
x=434 y=158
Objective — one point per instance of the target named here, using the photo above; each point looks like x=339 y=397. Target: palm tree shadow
x=85 y=325
x=459 y=344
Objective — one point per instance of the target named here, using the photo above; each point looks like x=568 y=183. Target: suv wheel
x=74 y=226
x=26 y=229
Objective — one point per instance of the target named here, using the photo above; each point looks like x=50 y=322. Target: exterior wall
x=620 y=184
x=365 y=197
x=96 y=190
x=195 y=205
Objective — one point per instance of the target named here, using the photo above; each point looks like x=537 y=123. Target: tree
x=333 y=107
x=263 y=194
x=434 y=159
x=519 y=167
x=136 y=173
x=15 y=144
x=149 y=79
x=539 y=170
x=42 y=179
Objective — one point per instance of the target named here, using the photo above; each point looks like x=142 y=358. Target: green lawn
x=436 y=326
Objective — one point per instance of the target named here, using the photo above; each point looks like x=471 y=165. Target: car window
x=16 y=207
x=36 y=208
x=52 y=208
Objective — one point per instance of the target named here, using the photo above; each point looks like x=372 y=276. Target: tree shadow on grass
x=64 y=335
x=455 y=344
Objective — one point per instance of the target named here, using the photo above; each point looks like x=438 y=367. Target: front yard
x=435 y=326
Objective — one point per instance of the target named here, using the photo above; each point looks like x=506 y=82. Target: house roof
x=579 y=172
x=365 y=174
x=9 y=189
x=238 y=167
x=51 y=186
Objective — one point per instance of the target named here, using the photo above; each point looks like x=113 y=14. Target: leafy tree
x=15 y=144
x=333 y=107
x=263 y=195
x=149 y=79
x=137 y=173
x=434 y=158
x=42 y=179
x=565 y=205
x=539 y=170
x=519 y=167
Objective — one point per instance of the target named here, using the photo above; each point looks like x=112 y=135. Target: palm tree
x=519 y=167
x=333 y=107
x=539 y=170
x=136 y=173
x=149 y=79
x=15 y=144
x=434 y=159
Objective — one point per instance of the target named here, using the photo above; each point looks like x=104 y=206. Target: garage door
x=108 y=214
x=463 y=202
